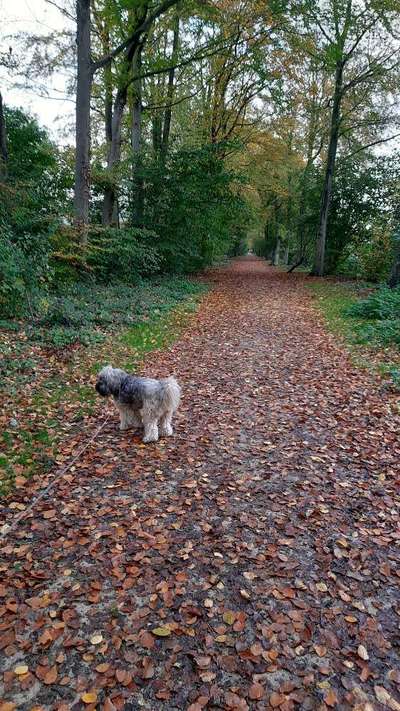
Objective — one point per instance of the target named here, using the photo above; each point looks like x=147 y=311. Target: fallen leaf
x=330 y=698
x=96 y=639
x=89 y=697
x=362 y=652
x=161 y=631
x=229 y=617
x=51 y=676
x=256 y=691
x=21 y=669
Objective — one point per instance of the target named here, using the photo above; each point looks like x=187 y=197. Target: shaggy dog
x=141 y=402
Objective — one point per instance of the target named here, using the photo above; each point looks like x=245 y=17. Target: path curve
x=262 y=539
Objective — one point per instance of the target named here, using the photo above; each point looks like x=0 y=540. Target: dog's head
x=109 y=381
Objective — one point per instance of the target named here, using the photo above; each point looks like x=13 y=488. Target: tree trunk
x=83 y=92
x=319 y=264
x=108 y=94
x=286 y=255
x=110 y=211
x=157 y=131
x=275 y=260
x=3 y=144
x=394 y=279
x=170 y=92
x=136 y=143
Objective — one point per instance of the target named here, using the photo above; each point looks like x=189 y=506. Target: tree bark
x=83 y=93
x=136 y=143
x=286 y=255
x=275 y=260
x=394 y=279
x=110 y=216
x=170 y=92
x=319 y=263
x=3 y=143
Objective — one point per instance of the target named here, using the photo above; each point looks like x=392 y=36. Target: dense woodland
x=203 y=128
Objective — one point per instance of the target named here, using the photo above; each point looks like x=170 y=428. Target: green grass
x=136 y=324
x=367 y=338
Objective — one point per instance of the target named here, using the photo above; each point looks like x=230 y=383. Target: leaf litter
x=250 y=562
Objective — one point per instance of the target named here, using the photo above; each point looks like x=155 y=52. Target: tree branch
x=369 y=145
x=134 y=38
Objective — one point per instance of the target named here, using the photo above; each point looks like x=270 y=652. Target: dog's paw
x=149 y=439
x=166 y=431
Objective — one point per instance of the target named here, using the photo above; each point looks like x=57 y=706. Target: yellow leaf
x=20 y=670
x=229 y=617
x=96 y=639
x=90 y=697
x=321 y=587
x=161 y=631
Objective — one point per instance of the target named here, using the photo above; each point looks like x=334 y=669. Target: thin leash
x=9 y=527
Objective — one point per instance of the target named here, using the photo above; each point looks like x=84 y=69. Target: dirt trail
x=262 y=539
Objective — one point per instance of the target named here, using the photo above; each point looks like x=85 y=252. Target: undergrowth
x=368 y=319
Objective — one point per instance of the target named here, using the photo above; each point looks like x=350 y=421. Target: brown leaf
x=330 y=698
x=256 y=691
x=276 y=700
x=102 y=668
x=51 y=676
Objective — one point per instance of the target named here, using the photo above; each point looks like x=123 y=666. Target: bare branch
x=370 y=145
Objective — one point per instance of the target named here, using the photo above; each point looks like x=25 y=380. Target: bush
x=122 y=255
x=369 y=259
x=382 y=305
x=24 y=273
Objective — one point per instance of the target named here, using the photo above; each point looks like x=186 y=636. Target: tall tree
x=146 y=14
x=82 y=129
x=352 y=40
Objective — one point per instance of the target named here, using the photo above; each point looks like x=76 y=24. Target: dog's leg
x=150 y=431
x=166 y=425
x=136 y=420
x=127 y=417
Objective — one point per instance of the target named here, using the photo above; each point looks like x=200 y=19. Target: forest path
x=249 y=562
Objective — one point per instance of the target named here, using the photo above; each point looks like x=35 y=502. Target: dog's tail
x=171 y=394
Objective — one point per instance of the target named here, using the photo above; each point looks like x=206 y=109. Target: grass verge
x=368 y=339
x=45 y=389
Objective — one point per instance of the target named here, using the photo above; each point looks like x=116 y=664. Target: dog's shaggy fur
x=141 y=402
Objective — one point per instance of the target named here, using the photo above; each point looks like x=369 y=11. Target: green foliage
x=125 y=255
x=359 y=236
x=31 y=153
x=194 y=207
x=33 y=190
x=366 y=324
x=385 y=333
x=381 y=305
x=84 y=312
x=24 y=272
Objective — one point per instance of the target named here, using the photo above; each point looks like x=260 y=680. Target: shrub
x=124 y=255
x=24 y=273
x=381 y=305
